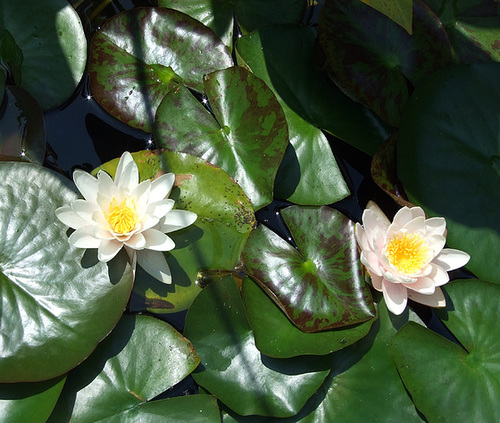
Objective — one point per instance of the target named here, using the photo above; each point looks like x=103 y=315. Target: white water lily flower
x=406 y=258
x=125 y=213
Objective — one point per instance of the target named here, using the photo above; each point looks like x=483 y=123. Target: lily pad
x=234 y=370
x=214 y=241
x=468 y=386
x=448 y=158
x=139 y=360
x=247 y=123
x=22 y=127
x=50 y=37
x=374 y=59
x=400 y=12
x=297 y=181
x=319 y=285
x=57 y=302
x=276 y=336
x=33 y=402
x=140 y=54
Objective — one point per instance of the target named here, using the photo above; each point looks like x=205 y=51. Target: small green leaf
x=140 y=54
x=57 y=301
x=234 y=370
x=247 y=122
x=319 y=285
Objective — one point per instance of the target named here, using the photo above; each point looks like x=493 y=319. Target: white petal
x=436 y=243
x=451 y=259
x=436 y=226
x=423 y=285
x=177 y=219
x=160 y=208
x=136 y=241
x=84 y=209
x=396 y=277
x=148 y=221
x=67 y=216
x=371 y=261
x=375 y=222
x=84 y=237
x=377 y=282
x=438 y=275
x=106 y=185
x=86 y=184
x=127 y=173
x=158 y=241
x=435 y=300
x=360 y=234
x=108 y=249
x=154 y=263
x=161 y=187
x=141 y=193
x=103 y=233
x=395 y=296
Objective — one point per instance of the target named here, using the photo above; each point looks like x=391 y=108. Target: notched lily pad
x=140 y=54
x=320 y=285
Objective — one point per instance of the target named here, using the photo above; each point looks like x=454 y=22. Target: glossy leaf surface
x=468 y=385
x=33 y=402
x=448 y=158
x=140 y=359
x=374 y=59
x=54 y=298
x=248 y=123
x=297 y=181
x=319 y=285
x=234 y=370
x=140 y=54
x=214 y=241
x=276 y=336
x=53 y=46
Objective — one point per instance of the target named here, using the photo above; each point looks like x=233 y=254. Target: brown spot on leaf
x=496 y=45
x=180 y=178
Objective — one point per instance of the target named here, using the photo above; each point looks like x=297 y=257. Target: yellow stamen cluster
x=122 y=217
x=408 y=252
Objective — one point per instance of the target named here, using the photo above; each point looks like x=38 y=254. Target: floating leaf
x=234 y=370
x=448 y=158
x=50 y=38
x=374 y=59
x=215 y=241
x=139 y=360
x=57 y=301
x=319 y=285
x=309 y=173
x=276 y=336
x=248 y=122
x=468 y=386
x=400 y=11
x=140 y=54
x=33 y=402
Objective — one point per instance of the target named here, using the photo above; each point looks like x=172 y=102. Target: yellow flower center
x=122 y=217
x=408 y=252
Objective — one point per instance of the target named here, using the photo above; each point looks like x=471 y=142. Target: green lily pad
x=468 y=386
x=214 y=241
x=448 y=158
x=50 y=38
x=57 y=301
x=400 y=12
x=140 y=54
x=276 y=336
x=139 y=360
x=473 y=27
x=374 y=59
x=234 y=370
x=33 y=402
x=319 y=285
x=248 y=123
x=22 y=127
x=297 y=180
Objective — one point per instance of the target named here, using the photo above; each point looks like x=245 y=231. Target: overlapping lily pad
x=319 y=285
x=374 y=59
x=246 y=136
x=234 y=370
x=309 y=173
x=140 y=54
x=57 y=302
x=49 y=36
x=448 y=158
x=142 y=358
x=400 y=12
x=285 y=339
x=215 y=241
x=468 y=385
